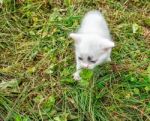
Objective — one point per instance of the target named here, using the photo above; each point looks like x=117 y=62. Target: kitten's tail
x=94 y=12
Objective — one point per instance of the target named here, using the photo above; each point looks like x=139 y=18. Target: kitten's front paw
x=76 y=76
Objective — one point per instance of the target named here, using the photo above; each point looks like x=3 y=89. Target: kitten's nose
x=86 y=65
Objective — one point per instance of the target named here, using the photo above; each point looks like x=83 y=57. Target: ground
x=37 y=62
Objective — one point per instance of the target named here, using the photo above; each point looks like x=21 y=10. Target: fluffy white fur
x=93 y=42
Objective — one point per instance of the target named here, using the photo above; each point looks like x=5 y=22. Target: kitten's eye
x=93 y=61
x=80 y=58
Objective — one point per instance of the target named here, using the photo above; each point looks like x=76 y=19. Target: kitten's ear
x=108 y=44
x=75 y=36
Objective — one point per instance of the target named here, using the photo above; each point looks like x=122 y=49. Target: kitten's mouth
x=88 y=67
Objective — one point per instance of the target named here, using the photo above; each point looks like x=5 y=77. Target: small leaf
x=128 y=96
x=38 y=99
x=147 y=89
x=62 y=117
x=148 y=69
x=133 y=79
x=136 y=91
x=67 y=2
x=67 y=81
x=31 y=32
x=18 y=118
x=35 y=19
x=31 y=70
x=57 y=118
x=72 y=117
x=147 y=22
x=135 y=27
x=11 y=84
x=86 y=74
x=1 y=1
x=49 y=102
x=84 y=82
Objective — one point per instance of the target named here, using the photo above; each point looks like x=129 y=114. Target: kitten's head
x=91 y=50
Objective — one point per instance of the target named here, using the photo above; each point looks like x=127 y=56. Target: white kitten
x=93 y=42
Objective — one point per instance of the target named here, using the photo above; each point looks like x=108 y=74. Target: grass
x=37 y=62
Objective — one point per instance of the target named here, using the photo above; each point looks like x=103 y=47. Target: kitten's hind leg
x=108 y=59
